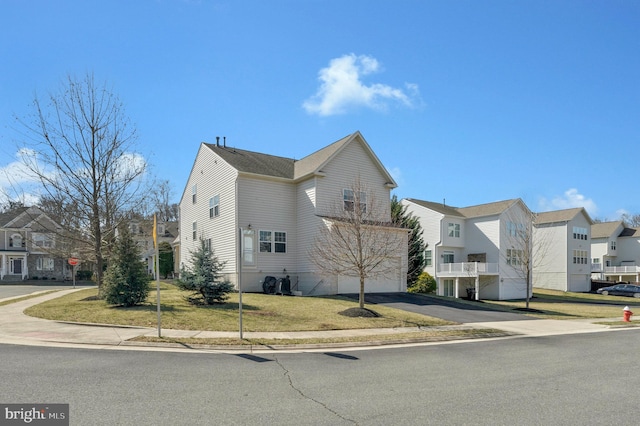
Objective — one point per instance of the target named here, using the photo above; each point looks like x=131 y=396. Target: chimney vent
x=224 y=141
x=218 y=140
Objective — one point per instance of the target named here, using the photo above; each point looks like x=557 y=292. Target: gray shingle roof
x=255 y=162
x=604 y=229
x=437 y=207
x=558 y=215
x=488 y=209
x=313 y=162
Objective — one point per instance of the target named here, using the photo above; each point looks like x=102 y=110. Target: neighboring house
x=615 y=252
x=142 y=233
x=475 y=249
x=563 y=250
x=28 y=246
x=277 y=205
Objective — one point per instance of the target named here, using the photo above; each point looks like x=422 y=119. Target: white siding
x=483 y=236
x=213 y=176
x=431 y=223
x=550 y=252
x=270 y=205
x=343 y=171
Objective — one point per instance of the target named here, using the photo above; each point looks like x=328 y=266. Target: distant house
x=275 y=207
x=475 y=248
x=28 y=246
x=142 y=233
x=563 y=250
x=615 y=252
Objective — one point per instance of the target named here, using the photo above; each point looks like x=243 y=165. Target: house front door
x=16 y=266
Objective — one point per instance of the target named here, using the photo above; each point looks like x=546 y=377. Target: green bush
x=203 y=279
x=84 y=275
x=425 y=284
x=126 y=281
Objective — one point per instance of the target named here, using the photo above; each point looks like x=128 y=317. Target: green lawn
x=553 y=304
x=260 y=313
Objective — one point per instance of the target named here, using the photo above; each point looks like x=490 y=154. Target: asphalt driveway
x=446 y=309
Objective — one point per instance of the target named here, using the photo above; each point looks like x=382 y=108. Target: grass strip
x=417 y=336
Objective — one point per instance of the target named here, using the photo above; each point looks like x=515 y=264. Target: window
x=44 y=264
x=195 y=230
x=247 y=247
x=515 y=229
x=207 y=244
x=579 y=233
x=194 y=190
x=449 y=288
x=273 y=242
x=280 y=242
x=428 y=260
x=613 y=245
x=514 y=257
x=42 y=240
x=580 y=257
x=265 y=241
x=214 y=206
x=447 y=257
x=454 y=230
x=16 y=241
x=350 y=198
x=595 y=261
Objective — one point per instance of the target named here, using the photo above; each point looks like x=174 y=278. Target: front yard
x=260 y=313
x=553 y=304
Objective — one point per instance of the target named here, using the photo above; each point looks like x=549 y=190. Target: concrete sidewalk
x=18 y=328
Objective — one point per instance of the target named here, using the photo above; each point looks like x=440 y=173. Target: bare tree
x=630 y=220
x=357 y=239
x=523 y=252
x=161 y=199
x=79 y=146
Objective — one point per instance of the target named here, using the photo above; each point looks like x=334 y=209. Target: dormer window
x=16 y=240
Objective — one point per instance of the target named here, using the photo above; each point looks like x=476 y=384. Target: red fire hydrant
x=626 y=314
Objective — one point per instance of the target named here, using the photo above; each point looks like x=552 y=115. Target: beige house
x=28 y=247
x=273 y=208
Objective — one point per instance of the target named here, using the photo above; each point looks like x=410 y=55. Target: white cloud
x=570 y=199
x=342 y=88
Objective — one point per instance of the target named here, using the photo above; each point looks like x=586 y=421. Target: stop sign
x=73 y=261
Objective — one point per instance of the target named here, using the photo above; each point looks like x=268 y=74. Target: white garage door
x=579 y=282
x=381 y=284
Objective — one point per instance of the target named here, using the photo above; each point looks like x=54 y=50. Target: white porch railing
x=467 y=269
x=622 y=269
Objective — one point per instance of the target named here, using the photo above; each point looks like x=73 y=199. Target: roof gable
x=254 y=162
x=488 y=209
x=314 y=163
x=436 y=207
x=558 y=216
x=28 y=217
x=605 y=229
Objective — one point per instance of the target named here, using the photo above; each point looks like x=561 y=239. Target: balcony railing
x=622 y=269
x=467 y=269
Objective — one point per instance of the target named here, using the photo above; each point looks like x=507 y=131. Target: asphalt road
x=449 y=310
x=582 y=379
x=14 y=290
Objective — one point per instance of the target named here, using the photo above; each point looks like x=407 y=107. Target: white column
x=478 y=287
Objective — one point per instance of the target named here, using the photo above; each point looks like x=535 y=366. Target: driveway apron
x=436 y=307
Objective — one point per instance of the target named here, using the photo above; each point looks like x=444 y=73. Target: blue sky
x=468 y=101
